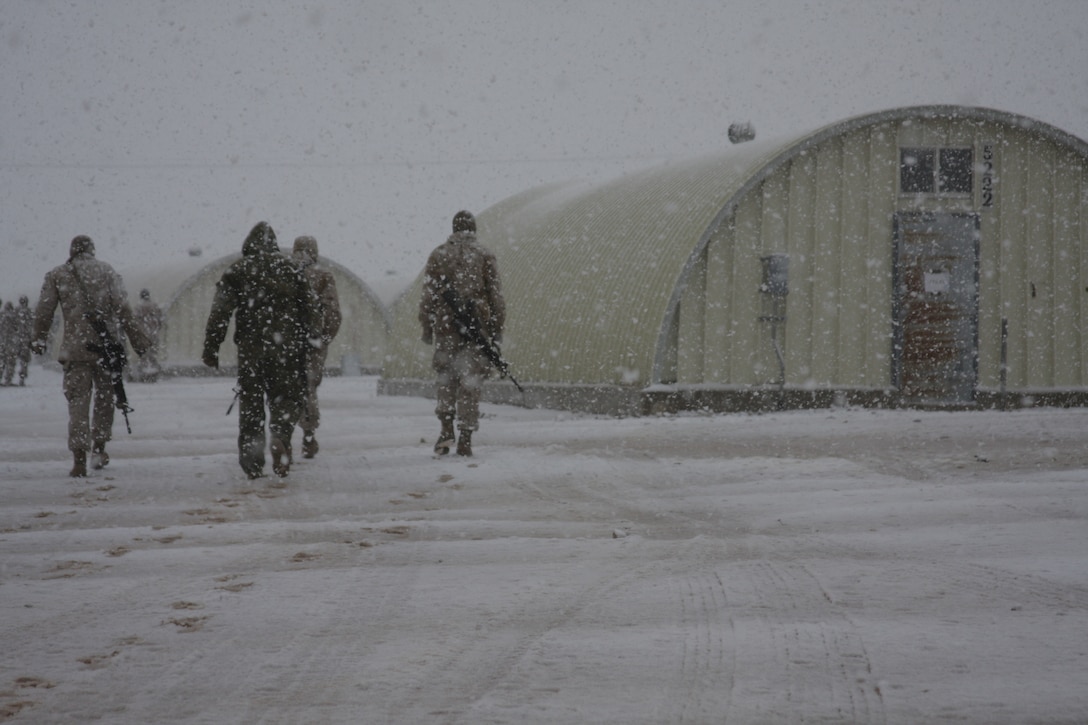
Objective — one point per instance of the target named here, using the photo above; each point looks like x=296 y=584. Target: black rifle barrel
x=469 y=327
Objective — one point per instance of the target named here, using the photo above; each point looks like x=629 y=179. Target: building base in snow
x=623 y=401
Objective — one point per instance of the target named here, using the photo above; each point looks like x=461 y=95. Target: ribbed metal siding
x=660 y=270
x=837 y=200
x=588 y=275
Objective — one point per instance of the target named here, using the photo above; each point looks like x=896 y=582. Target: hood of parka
x=261 y=240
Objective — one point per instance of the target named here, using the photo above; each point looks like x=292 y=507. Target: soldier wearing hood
x=463 y=267
x=328 y=306
x=86 y=288
x=275 y=316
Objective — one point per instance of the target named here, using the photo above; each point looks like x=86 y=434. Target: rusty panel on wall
x=935 y=341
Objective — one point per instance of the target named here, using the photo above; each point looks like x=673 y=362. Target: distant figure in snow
x=7 y=342
x=460 y=272
x=148 y=316
x=88 y=291
x=24 y=332
x=275 y=316
x=328 y=310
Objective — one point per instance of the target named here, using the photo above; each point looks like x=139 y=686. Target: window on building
x=916 y=167
x=931 y=171
x=956 y=171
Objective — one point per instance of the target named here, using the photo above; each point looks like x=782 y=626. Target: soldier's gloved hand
x=211 y=359
x=317 y=343
x=38 y=347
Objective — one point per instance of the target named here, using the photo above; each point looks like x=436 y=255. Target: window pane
x=956 y=170
x=916 y=167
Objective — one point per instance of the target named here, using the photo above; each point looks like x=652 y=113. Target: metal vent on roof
x=741 y=132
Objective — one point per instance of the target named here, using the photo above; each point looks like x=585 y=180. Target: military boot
x=281 y=457
x=99 y=457
x=309 y=444
x=79 y=467
x=445 y=438
x=464 y=443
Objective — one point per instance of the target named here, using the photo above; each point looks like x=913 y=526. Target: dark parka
x=273 y=303
x=275 y=316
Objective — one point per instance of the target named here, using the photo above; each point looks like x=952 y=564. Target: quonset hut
x=186 y=295
x=922 y=256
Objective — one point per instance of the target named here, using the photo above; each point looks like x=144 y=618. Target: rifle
x=111 y=353
x=111 y=356
x=237 y=394
x=469 y=328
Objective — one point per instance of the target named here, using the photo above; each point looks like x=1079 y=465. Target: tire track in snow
x=800 y=659
x=488 y=676
x=708 y=666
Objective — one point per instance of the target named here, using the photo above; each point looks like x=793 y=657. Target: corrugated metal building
x=186 y=290
x=918 y=256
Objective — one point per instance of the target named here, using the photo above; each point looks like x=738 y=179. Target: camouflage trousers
x=315 y=373
x=266 y=381
x=461 y=373
x=10 y=360
x=84 y=383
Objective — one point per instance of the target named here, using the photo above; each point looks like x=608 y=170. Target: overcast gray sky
x=155 y=127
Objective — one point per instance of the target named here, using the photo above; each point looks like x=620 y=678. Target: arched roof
x=170 y=281
x=593 y=274
x=600 y=264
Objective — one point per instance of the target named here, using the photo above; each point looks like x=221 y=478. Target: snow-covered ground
x=822 y=566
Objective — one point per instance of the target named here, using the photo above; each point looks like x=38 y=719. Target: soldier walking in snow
x=328 y=306
x=462 y=300
x=275 y=313
x=94 y=304
x=148 y=316
x=24 y=332
x=8 y=322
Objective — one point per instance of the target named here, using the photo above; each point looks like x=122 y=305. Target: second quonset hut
x=921 y=256
x=185 y=292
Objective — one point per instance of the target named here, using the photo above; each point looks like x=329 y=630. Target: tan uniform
x=24 y=331
x=78 y=286
x=471 y=272
x=328 y=303
x=148 y=316
x=8 y=346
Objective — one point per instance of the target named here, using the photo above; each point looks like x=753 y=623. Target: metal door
x=935 y=307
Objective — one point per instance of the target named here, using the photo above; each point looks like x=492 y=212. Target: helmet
x=80 y=245
x=463 y=221
x=305 y=248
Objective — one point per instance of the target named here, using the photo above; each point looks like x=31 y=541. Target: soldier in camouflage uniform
x=86 y=288
x=148 y=316
x=8 y=322
x=275 y=314
x=469 y=270
x=324 y=286
x=24 y=331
